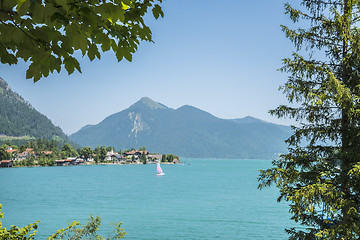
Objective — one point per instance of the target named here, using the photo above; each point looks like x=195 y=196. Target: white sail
x=159 y=170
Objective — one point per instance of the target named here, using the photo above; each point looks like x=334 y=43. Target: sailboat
x=159 y=170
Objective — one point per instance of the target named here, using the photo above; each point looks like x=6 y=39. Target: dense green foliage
x=68 y=151
x=320 y=176
x=4 y=155
x=18 y=118
x=187 y=131
x=73 y=231
x=169 y=158
x=43 y=152
x=38 y=145
x=86 y=152
x=89 y=231
x=49 y=33
x=143 y=158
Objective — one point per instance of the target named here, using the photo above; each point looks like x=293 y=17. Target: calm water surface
x=202 y=199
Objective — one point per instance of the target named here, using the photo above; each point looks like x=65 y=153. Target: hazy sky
x=219 y=56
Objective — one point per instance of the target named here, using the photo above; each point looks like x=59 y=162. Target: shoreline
x=90 y=164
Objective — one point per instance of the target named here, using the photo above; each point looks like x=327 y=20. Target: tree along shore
x=42 y=152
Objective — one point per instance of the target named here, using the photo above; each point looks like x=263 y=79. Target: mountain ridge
x=186 y=131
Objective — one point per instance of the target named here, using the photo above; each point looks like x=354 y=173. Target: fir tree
x=320 y=175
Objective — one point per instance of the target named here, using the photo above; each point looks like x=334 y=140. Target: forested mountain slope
x=18 y=118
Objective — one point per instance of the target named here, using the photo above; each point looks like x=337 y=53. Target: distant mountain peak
x=149 y=103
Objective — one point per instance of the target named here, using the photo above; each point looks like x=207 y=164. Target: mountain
x=248 y=119
x=19 y=119
x=186 y=131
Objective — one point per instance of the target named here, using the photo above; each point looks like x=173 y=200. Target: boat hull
x=160 y=174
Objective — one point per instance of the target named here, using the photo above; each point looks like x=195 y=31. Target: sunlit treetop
x=47 y=33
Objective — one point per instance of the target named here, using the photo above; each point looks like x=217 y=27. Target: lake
x=202 y=199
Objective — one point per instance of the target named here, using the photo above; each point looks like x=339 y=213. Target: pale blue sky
x=221 y=58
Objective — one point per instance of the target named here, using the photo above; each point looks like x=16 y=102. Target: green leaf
x=64 y=4
x=119 y=54
x=93 y=51
x=71 y=64
x=67 y=46
x=128 y=55
x=157 y=11
x=23 y=7
x=105 y=46
x=19 y=4
x=127 y=2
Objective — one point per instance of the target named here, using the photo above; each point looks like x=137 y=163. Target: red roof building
x=10 y=150
x=6 y=163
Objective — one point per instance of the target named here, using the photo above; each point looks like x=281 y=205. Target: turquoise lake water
x=202 y=199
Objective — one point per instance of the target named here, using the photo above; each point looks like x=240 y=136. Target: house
x=47 y=153
x=27 y=153
x=135 y=153
x=60 y=162
x=128 y=160
x=11 y=150
x=175 y=161
x=80 y=161
x=109 y=155
x=6 y=163
x=129 y=154
x=70 y=161
x=154 y=157
x=141 y=152
x=118 y=158
x=66 y=162
x=29 y=150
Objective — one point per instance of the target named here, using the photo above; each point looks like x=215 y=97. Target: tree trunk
x=345 y=161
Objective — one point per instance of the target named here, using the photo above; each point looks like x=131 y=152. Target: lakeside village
x=34 y=155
